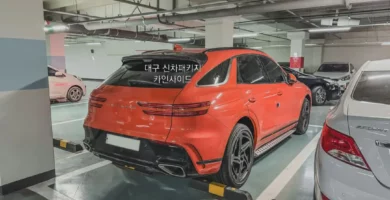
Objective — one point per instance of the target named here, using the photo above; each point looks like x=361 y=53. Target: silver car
x=353 y=155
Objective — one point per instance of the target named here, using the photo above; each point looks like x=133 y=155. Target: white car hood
x=332 y=75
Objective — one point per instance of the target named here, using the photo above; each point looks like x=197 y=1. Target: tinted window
x=164 y=73
x=217 y=75
x=373 y=87
x=51 y=71
x=250 y=70
x=334 y=68
x=275 y=73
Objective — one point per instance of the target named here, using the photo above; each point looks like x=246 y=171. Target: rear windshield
x=373 y=87
x=158 y=73
x=334 y=68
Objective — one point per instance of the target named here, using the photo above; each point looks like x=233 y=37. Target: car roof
x=377 y=65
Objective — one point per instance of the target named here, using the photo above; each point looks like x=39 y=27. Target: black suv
x=322 y=89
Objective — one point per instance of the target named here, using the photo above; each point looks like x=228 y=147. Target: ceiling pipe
x=115 y=33
x=187 y=9
x=71 y=14
x=254 y=9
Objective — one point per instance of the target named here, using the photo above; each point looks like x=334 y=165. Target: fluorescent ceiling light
x=93 y=43
x=256 y=47
x=333 y=29
x=311 y=45
x=179 y=39
x=244 y=35
x=66 y=45
x=385 y=43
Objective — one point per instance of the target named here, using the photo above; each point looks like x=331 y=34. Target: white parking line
x=65 y=122
x=277 y=185
x=317 y=126
x=74 y=155
x=70 y=104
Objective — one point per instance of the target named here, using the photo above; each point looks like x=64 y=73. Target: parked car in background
x=195 y=114
x=352 y=157
x=65 y=87
x=340 y=72
x=322 y=89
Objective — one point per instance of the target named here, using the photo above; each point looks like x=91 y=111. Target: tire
x=75 y=94
x=229 y=171
x=304 y=118
x=319 y=95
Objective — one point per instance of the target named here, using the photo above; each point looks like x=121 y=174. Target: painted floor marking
x=277 y=185
x=74 y=155
x=70 y=104
x=69 y=121
x=317 y=126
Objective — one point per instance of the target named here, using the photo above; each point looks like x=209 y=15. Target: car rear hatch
x=127 y=101
x=369 y=122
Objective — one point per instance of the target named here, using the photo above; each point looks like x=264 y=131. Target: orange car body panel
x=204 y=137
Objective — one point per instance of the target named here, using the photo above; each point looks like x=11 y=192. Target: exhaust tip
x=173 y=170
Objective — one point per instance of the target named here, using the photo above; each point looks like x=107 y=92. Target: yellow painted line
x=128 y=167
x=217 y=189
x=63 y=143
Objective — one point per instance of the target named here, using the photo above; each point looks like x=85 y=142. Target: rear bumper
x=338 y=180
x=151 y=158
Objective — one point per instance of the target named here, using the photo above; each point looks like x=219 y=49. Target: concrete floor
x=284 y=173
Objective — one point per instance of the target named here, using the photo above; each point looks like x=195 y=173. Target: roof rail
x=229 y=48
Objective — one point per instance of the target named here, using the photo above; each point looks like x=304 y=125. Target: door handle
x=280 y=93
x=252 y=100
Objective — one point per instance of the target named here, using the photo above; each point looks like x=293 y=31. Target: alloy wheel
x=305 y=115
x=321 y=96
x=75 y=93
x=242 y=153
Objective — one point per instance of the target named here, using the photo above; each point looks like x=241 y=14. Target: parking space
x=105 y=181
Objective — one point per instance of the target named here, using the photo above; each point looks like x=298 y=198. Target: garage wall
x=357 y=55
x=313 y=56
x=106 y=58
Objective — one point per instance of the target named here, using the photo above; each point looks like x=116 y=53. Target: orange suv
x=190 y=114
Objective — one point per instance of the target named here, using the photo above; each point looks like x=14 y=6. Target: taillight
x=175 y=110
x=98 y=99
x=342 y=147
x=324 y=197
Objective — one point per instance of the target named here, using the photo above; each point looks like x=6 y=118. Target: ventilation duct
x=114 y=33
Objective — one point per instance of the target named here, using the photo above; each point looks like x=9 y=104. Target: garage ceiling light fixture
x=179 y=39
x=327 y=30
x=93 y=43
x=256 y=47
x=385 y=43
x=244 y=35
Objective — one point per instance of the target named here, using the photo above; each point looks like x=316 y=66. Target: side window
x=217 y=75
x=51 y=71
x=275 y=73
x=250 y=70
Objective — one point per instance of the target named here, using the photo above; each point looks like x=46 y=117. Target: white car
x=340 y=72
x=65 y=87
x=353 y=155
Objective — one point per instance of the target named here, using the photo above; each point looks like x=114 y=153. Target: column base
x=27 y=182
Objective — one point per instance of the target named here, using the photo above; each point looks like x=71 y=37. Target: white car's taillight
x=342 y=147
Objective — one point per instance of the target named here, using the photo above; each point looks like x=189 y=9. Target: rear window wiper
x=130 y=82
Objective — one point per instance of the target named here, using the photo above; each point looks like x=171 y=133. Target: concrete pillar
x=55 y=50
x=26 y=138
x=297 y=59
x=219 y=32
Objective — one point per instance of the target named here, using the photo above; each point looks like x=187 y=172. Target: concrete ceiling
x=377 y=11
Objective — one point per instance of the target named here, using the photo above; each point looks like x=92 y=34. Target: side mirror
x=292 y=79
x=59 y=74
